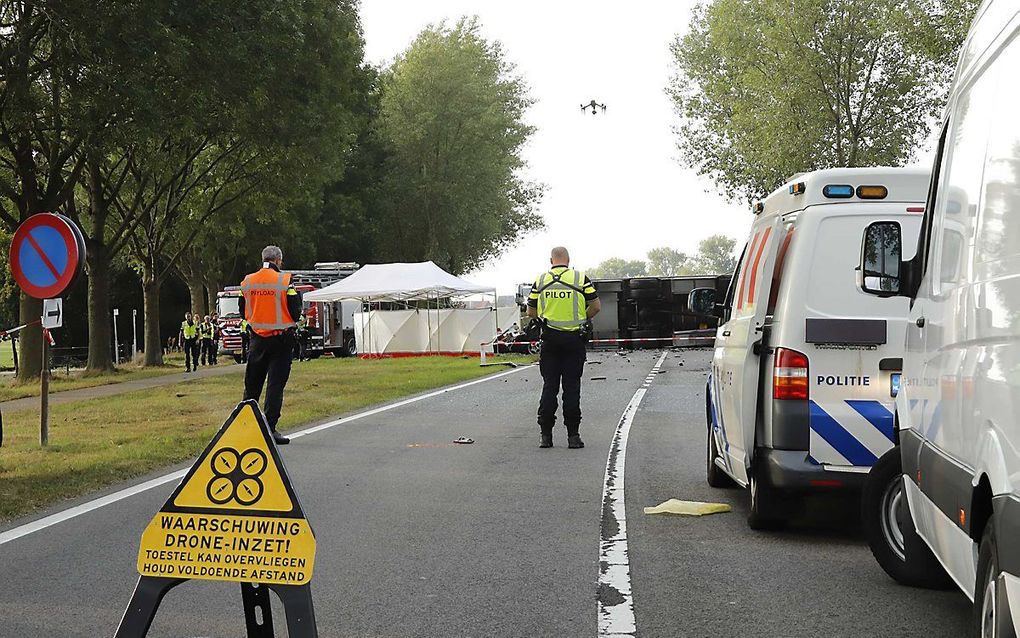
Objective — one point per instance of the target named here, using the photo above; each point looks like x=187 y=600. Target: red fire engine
x=330 y=324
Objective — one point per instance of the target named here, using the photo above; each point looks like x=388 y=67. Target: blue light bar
x=838 y=191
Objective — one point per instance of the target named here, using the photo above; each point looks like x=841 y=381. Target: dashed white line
x=615 y=600
x=84 y=508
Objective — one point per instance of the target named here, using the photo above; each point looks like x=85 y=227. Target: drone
x=594 y=106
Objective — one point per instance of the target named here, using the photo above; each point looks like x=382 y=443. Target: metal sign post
x=134 y=334
x=44 y=393
x=116 y=345
x=52 y=317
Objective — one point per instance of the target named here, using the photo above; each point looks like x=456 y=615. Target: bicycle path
x=112 y=389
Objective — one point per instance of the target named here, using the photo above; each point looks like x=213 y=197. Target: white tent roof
x=397 y=282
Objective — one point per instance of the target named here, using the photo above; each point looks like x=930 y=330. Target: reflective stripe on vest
x=266 y=312
x=553 y=310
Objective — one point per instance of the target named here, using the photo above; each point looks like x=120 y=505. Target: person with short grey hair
x=270 y=305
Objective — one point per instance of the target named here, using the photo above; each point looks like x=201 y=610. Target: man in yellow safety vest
x=189 y=342
x=564 y=300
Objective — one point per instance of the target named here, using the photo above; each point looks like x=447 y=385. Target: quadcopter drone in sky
x=594 y=106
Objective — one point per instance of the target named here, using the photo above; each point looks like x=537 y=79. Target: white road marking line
x=615 y=600
x=84 y=508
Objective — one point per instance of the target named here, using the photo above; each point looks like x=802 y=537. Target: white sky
x=614 y=186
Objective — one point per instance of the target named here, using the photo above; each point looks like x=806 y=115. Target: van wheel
x=989 y=620
x=890 y=532
x=763 y=513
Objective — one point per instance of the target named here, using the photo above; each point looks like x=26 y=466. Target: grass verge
x=97 y=442
x=60 y=380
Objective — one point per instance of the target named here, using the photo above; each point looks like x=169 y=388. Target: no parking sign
x=47 y=255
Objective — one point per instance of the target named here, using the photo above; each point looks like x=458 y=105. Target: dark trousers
x=191 y=353
x=245 y=343
x=269 y=357
x=207 y=351
x=561 y=362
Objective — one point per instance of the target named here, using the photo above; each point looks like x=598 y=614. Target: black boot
x=546 y=440
x=574 y=442
x=280 y=439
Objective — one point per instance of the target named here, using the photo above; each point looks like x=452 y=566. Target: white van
x=958 y=458
x=800 y=394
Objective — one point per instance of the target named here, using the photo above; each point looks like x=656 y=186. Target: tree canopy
x=714 y=257
x=768 y=88
x=452 y=119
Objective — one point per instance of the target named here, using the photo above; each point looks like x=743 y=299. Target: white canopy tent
x=412 y=331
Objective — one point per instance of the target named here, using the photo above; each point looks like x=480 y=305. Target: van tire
x=988 y=611
x=716 y=477
x=763 y=512
x=894 y=542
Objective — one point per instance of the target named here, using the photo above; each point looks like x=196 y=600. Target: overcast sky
x=614 y=186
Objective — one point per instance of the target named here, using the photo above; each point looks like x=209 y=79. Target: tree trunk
x=212 y=287
x=153 y=341
x=197 y=291
x=30 y=339
x=100 y=358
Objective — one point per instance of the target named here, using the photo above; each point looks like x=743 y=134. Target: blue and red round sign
x=47 y=254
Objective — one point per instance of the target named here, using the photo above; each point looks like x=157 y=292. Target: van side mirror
x=881 y=251
x=701 y=301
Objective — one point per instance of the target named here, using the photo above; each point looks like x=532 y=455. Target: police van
x=946 y=501
x=800 y=394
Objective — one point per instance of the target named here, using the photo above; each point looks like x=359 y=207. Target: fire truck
x=330 y=324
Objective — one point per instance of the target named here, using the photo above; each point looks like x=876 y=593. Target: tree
x=616 y=268
x=667 y=262
x=715 y=256
x=452 y=117
x=769 y=88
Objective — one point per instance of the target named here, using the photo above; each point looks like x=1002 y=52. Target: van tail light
x=790 y=375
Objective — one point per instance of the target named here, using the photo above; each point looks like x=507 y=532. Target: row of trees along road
x=183 y=135
x=769 y=88
x=714 y=257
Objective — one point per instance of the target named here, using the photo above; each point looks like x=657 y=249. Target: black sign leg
x=297 y=603
x=258 y=610
x=144 y=602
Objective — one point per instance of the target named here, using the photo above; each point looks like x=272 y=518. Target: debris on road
x=688 y=508
x=510 y=364
x=598 y=378
x=463 y=440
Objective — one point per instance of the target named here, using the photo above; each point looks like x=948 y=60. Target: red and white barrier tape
x=671 y=340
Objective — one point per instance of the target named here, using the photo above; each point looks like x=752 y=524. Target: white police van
x=800 y=394
x=958 y=459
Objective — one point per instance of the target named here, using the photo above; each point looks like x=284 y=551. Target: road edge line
x=98 y=503
x=613 y=593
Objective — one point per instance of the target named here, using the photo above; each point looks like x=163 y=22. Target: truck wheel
x=989 y=620
x=351 y=347
x=763 y=512
x=643 y=293
x=894 y=542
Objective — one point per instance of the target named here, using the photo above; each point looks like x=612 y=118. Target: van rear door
x=736 y=361
x=854 y=342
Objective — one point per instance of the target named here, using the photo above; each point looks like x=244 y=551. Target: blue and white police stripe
x=850 y=432
x=718 y=431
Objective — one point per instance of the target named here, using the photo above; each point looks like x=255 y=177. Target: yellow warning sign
x=235 y=516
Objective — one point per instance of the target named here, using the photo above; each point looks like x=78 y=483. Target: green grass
x=61 y=380
x=97 y=442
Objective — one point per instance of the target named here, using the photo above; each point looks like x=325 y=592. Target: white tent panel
x=452 y=330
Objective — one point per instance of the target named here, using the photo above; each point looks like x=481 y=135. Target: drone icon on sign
x=594 y=106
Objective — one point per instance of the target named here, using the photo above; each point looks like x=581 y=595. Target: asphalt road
x=417 y=536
